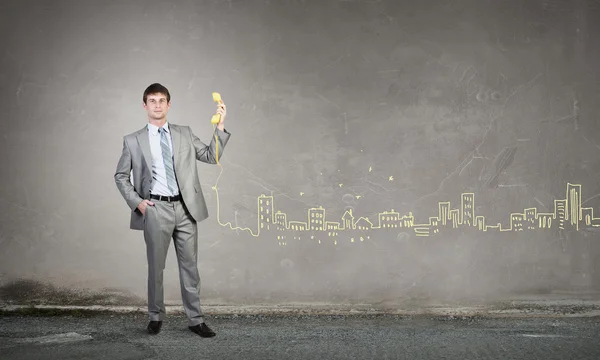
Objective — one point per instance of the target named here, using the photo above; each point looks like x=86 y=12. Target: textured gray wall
x=368 y=106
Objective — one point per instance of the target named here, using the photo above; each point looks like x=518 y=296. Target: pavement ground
x=80 y=334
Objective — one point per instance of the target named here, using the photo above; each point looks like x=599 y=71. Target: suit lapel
x=144 y=141
x=176 y=139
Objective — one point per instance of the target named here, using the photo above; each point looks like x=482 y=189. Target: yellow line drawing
x=216 y=118
x=568 y=213
x=216 y=189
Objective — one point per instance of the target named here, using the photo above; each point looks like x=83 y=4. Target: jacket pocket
x=145 y=215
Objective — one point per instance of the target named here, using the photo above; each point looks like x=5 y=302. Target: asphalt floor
x=123 y=336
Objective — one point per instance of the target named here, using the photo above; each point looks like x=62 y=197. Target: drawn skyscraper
x=265 y=212
x=467 y=209
x=455 y=218
x=444 y=213
x=316 y=219
x=574 y=203
x=530 y=215
x=559 y=212
x=516 y=222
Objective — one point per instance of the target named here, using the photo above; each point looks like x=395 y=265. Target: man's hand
x=143 y=205
x=222 y=110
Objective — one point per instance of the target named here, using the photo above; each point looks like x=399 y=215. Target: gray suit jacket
x=187 y=148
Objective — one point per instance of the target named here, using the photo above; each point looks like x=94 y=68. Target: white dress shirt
x=159 y=175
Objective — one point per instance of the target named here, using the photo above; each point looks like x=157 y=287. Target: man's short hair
x=156 y=88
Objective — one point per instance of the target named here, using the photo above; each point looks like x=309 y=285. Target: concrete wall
x=366 y=108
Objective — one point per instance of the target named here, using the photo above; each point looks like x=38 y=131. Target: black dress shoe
x=202 y=330
x=154 y=327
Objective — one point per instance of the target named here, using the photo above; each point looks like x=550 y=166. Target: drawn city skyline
x=568 y=212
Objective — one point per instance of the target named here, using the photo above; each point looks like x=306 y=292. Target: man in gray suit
x=163 y=158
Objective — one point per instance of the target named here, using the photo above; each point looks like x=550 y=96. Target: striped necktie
x=167 y=160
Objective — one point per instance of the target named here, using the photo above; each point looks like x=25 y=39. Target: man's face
x=157 y=106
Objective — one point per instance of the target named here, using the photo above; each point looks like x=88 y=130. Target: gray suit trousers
x=162 y=222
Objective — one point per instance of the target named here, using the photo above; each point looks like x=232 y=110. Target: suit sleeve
x=123 y=178
x=207 y=153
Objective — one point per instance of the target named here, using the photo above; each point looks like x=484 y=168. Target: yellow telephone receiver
x=215 y=120
x=216 y=117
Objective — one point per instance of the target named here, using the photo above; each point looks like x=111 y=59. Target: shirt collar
x=154 y=129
